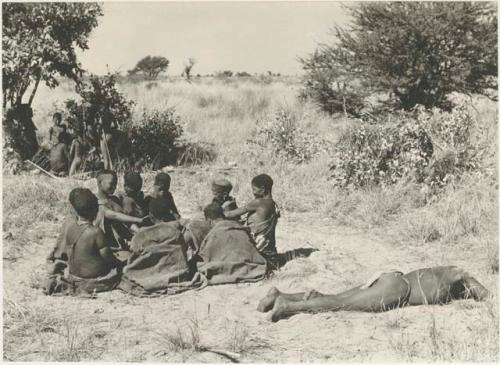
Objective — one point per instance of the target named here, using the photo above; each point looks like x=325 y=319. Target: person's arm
x=249 y=208
x=120 y=217
x=105 y=251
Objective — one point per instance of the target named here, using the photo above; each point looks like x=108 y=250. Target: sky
x=238 y=36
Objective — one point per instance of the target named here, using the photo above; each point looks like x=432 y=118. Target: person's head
x=262 y=185
x=132 y=183
x=84 y=202
x=57 y=118
x=221 y=188
x=106 y=181
x=213 y=212
x=158 y=209
x=161 y=184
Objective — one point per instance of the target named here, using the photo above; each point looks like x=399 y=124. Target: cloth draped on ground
x=264 y=235
x=228 y=255
x=158 y=263
x=198 y=230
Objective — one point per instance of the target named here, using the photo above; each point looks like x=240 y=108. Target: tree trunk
x=34 y=89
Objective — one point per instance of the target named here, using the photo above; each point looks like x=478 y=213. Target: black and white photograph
x=250 y=181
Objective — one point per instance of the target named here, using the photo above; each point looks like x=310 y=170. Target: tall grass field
x=399 y=225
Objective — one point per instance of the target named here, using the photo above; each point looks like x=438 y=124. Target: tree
x=150 y=66
x=418 y=51
x=188 y=66
x=39 y=42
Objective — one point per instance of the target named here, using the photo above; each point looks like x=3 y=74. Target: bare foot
x=279 y=310
x=267 y=303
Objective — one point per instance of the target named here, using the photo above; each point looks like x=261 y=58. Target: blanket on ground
x=228 y=255
x=158 y=263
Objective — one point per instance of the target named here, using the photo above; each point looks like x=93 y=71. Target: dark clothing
x=171 y=206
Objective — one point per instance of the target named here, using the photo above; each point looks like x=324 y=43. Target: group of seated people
x=106 y=232
x=167 y=254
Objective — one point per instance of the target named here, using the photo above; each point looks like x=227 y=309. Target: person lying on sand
x=437 y=285
x=161 y=188
x=262 y=218
x=110 y=217
x=91 y=264
x=221 y=188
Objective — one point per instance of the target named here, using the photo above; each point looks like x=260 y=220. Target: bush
x=433 y=147
x=153 y=138
x=285 y=139
x=381 y=154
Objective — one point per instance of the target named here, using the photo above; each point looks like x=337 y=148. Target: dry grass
x=460 y=226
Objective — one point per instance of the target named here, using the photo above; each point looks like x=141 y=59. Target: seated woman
x=437 y=285
x=90 y=262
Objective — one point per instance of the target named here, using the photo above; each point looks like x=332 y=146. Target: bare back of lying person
x=262 y=217
x=437 y=285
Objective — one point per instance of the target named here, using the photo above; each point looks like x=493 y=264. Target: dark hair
x=159 y=208
x=213 y=211
x=163 y=179
x=133 y=179
x=106 y=172
x=84 y=202
x=263 y=181
x=57 y=115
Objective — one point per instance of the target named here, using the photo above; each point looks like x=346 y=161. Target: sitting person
x=262 y=217
x=221 y=188
x=161 y=188
x=437 y=285
x=57 y=131
x=84 y=251
x=77 y=153
x=59 y=157
x=158 y=262
x=111 y=218
x=228 y=254
x=132 y=200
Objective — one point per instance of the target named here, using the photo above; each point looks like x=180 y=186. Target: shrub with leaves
x=101 y=101
x=381 y=154
x=281 y=134
x=432 y=147
x=153 y=137
x=457 y=136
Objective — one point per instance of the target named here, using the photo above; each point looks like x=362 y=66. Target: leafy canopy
x=39 y=42
x=418 y=51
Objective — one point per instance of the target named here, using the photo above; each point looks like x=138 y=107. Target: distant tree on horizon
x=150 y=67
x=188 y=66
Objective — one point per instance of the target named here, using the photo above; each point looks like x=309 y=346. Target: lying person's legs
x=389 y=291
x=267 y=303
